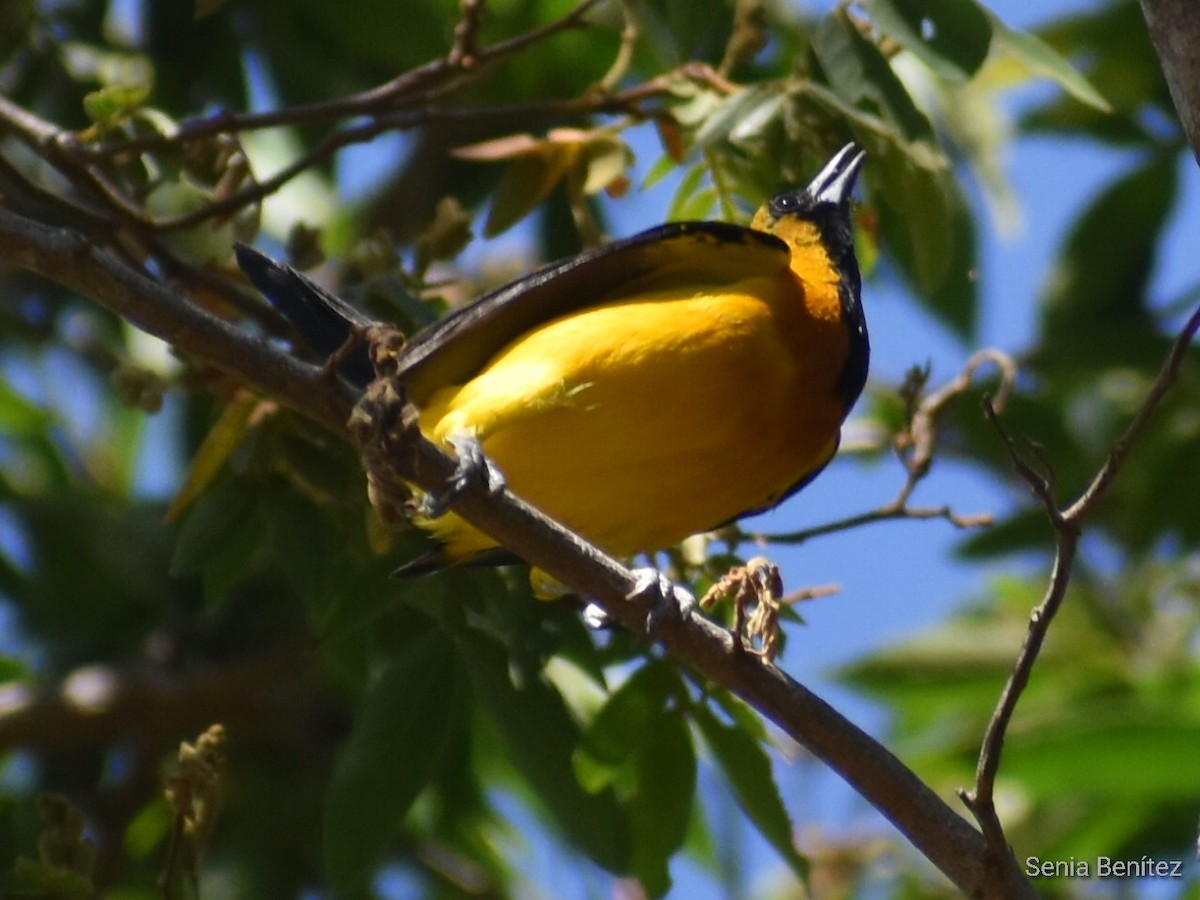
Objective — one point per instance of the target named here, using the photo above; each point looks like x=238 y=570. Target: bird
x=659 y=386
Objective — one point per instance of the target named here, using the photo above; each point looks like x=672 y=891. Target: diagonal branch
x=68 y=259
x=943 y=836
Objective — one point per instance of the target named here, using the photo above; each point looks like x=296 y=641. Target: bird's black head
x=825 y=202
x=817 y=225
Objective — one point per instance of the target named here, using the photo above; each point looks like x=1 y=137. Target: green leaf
x=12 y=668
x=665 y=796
x=20 y=416
x=697 y=25
x=759 y=118
x=1109 y=756
x=950 y=36
x=1121 y=66
x=742 y=714
x=619 y=728
x=605 y=160
x=45 y=881
x=1039 y=59
x=662 y=167
x=304 y=544
x=1123 y=830
x=748 y=767
x=733 y=111
x=1096 y=306
x=928 y=229
x=210 y=459
x=149 y=830
x=527 y=181
x=110 y=103
x=684 y=205
x=540 y=738
x=862 y=77
x=954 y=298
x=948 y=676
x=399 y=736
x=927 y=215
x=218 y=536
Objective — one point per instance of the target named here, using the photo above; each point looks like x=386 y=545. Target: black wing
x=455 y=348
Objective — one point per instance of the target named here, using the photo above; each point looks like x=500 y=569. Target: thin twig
x=887 y=513
x=409 y=94
x=915 y=447
x=405 y=90
x=922 y=431
x=1068 y=529
x=37 y=133
x=24 y=194
x=624 y=57
x=1168 y=375
x=465 y=51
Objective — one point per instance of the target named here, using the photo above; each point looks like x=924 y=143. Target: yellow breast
x=642 y=421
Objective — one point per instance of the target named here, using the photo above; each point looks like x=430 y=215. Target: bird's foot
x=667 y=600
x=472 y=469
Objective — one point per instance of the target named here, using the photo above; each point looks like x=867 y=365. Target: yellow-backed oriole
x=647 y=390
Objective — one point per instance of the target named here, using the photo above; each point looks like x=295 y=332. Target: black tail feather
x=435 y=561
x=323 y=320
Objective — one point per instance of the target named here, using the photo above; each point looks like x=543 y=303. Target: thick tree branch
x=68 y=259
x=1175 y=31
x=948 y=840
x=956 y=848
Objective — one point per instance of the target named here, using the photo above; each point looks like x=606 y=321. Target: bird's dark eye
x=784 y=204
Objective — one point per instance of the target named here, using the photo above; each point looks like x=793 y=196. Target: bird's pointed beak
x=834 y=183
